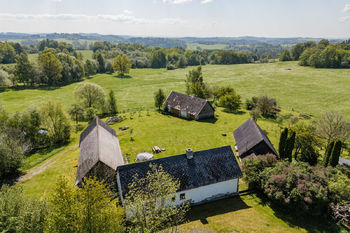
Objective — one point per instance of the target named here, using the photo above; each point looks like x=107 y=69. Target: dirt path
x=39 y=169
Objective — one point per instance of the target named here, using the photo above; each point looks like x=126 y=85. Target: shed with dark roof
x=99 y=154
x=204 y=175
x=189 y=107
x=251 y=139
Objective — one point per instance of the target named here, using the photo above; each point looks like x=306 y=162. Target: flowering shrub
x=296 y=185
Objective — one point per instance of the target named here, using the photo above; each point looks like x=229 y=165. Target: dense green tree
x=20 y=213
x=290 y=145
x=55 y=121
x=122 y=64
x=30 y=123
x=101 y=63
x=86 y=209
x=4 y=79
x=306 y=143
x=90 y=68
x=334 y=159
x=51 y=67
x=328 y=153
x=267 y=106
x=90 y=114
x=24 y=70
x=7 y=53
x=11 y=155
x=195 y=84
x=298 y=49
x=112 y=103
x=159 y=98
x=285 y=56
x=148 y=202
x=283 y=143
x=230 y=101
x=91 y=95
x=158 y=59
x=221 y=91
x=76 y=111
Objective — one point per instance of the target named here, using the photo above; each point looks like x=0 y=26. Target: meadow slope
x=306 y=90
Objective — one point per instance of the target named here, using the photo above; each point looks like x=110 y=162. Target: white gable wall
x=209 y=192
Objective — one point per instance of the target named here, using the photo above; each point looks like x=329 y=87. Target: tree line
x=321 y=55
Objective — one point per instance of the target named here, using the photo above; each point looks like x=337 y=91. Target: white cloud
x=121 y=18
x=127 y=12
x=206 y=1
x=344 y=19
x=176 y=1
x=346 y=8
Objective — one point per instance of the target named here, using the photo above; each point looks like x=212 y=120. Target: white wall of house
x=208 y=192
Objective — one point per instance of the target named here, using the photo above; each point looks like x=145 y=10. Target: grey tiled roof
x=98 y=142
x=182 y=102
x=206 y=167
x=248 y=135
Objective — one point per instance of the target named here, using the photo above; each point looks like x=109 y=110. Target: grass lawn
x=304 y=89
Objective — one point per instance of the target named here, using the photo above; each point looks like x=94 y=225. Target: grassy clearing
x=303 y=89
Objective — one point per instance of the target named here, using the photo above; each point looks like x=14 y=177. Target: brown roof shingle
x=183 y=102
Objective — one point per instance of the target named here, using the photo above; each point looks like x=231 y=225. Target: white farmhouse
x=204 y=175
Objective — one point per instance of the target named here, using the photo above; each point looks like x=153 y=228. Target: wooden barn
x=251 y=139
x=204 y=176
x=99 y=154
x=188 y=107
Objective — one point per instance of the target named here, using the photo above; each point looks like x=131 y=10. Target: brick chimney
x=189 y=153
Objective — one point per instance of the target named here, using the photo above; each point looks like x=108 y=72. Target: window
x=182 y=196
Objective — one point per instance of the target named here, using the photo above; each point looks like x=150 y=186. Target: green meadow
x=298 y=89
x=302 y=89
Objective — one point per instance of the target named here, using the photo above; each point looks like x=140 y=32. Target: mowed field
x=306 y=90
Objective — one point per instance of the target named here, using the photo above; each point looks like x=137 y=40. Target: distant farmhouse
x=188 y=107
x=204 y=175
x=251 y=139
x=100 y=153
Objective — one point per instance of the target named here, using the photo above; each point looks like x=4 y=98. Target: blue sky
x=171 y=18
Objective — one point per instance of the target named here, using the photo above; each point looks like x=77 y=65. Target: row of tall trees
x=330 y=132
x=321 y=55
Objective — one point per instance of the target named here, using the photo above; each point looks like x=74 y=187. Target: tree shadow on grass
x=239 y=112
x=204 y=211
x=125 y=76
x=209 y=120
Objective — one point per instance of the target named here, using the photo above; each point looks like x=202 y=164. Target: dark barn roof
x=182 y=102
x=98 y=142
x=206 y=167
x=248 y=135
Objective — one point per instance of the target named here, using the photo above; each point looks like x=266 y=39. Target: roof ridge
x=159 y=159
x=98 y=139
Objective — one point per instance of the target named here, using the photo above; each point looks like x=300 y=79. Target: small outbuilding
x=188 y=107
x=251 y=139
x=204 y=176
x=99 y=154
